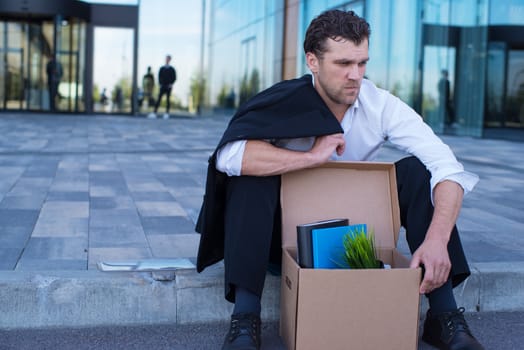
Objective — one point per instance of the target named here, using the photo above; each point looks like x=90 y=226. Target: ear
x=312 y=62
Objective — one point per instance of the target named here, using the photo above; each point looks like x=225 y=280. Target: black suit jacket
x=289 y=109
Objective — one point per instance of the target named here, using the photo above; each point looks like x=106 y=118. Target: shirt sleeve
x=407 y=131
x=229 y=158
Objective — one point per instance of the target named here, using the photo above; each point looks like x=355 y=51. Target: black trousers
x=252 y=225
x=164 y=90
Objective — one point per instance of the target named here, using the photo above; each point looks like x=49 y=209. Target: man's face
x=339 y=72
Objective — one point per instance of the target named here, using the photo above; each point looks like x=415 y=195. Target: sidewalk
x=76 y=190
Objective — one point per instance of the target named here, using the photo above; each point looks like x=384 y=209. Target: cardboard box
x=343 y=308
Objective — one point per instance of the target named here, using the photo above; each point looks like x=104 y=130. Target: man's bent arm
x=263 y=159
x=433 y=253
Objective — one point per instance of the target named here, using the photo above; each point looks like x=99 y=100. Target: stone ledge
x=93 y=298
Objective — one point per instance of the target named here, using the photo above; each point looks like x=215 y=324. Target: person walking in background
x=166 y=79
x=148 y=84
x=54 y=75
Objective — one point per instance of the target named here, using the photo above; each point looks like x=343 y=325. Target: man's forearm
x=447 y=197
x=263 y=159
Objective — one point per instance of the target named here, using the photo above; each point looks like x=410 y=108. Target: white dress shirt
x=376 y=117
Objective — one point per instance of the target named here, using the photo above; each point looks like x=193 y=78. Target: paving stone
x=51 y=264
x=165 y=225
x=18 y=217
x=180 y=245
x=69 y=196
x=114 y=218
x=155 y=196
x=57 y=226
x=118 y=202
x=117 y=237
x=152 y=208
x=34 y=201
x=14 y=236
x=55 y=248
x=9 y=257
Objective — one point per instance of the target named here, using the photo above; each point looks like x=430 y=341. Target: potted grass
x=359 y=250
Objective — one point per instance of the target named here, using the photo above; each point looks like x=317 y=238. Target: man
x=54 y=75
x=302 y=123
x=166 y=79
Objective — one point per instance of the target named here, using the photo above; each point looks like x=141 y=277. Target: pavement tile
x=34 y=201
x=145 y=186
x=107 y=191
x=156 y=196
x=113 y=218
x=56 y=226
x=118 y=202
x=117 y=237
x=55 y=248
x=156 y=208
x=64 y=209
x=14 y=236
x=18 y=217
x=180 y=245
x=51 y=264
x=9 y=257
x=68 y=196
x=155 y=225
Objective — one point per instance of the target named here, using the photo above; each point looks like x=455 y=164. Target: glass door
x=12 y=79
x=515 y=89
x=495 y=84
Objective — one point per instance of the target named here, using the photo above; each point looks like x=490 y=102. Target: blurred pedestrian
x=166 y=79
x=54 y=75
x=148 y=84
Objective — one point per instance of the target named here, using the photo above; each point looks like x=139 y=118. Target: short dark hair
x=336 y=25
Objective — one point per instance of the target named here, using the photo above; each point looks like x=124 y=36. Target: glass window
x=244 y=54
x=506 y=12
x=454 y=45
x=113 y=68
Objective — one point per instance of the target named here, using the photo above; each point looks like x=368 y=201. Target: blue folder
x=328 y=246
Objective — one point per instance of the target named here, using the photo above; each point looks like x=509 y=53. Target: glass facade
x=459 y=63
x=245 y=51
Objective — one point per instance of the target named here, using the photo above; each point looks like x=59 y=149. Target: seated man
x=335 y=114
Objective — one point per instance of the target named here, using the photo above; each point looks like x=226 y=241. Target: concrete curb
x=37 y=299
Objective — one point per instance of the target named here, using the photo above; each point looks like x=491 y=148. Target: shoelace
x=456 y=322
x=243 y=326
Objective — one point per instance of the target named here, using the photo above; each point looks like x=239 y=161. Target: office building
x=478 y=45
x=46 y=55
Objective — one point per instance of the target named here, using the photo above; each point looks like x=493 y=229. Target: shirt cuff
x=465 y=179
x=229 y=158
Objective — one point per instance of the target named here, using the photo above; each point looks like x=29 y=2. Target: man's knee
x=411 y=171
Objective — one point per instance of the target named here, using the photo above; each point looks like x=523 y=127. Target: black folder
x=304 y=245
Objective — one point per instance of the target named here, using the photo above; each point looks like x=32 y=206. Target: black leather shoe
x=449 y=331
x=244 y=333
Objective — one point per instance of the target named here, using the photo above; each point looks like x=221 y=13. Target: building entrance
x=39 y=66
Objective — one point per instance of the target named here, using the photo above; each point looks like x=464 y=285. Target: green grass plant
x=359 y=249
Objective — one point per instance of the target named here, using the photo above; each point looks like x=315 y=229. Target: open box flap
x=363 y=192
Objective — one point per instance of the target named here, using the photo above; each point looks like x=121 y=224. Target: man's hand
x=433 y=254
x=324 y=147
